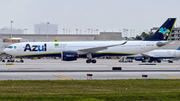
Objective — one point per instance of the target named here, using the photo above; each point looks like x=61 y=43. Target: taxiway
x=50 y=69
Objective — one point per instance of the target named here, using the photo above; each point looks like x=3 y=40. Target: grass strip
x=90 y=90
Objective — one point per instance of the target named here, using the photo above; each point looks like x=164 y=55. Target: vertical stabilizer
x=178 y=48
x=164 y=32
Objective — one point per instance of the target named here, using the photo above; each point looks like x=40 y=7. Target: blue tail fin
x=178 y=48
x=164 y=32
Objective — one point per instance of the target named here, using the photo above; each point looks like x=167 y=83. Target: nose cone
x=5 y=51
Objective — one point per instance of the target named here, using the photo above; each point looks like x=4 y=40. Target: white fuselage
x=39 y=48
x=163 y=53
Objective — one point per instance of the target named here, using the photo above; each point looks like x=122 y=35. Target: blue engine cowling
x=68 y=56
x=139 y=58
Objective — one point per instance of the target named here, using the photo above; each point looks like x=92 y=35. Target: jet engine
x=68 y=56
x=139 y=58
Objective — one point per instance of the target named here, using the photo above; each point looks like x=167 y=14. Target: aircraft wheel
x=143 y=61
x=159 y=61
x=3 y=60
x=88 y=61
x=8 y=60
x=150 y=61
x=93 y=61
x=12 y=60
x=170 y=61
x=21 y=61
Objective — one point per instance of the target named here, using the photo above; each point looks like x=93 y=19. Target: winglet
x=164 y=32
x=124 y=43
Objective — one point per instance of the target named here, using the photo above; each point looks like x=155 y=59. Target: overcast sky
x=108 y=15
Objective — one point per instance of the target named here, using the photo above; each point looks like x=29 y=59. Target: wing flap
x=147 y=55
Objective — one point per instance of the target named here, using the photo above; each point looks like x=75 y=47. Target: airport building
x=12 y=30
x=45 y=28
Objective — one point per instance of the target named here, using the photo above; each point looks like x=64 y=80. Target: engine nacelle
x=68 y=56
x=138 y=58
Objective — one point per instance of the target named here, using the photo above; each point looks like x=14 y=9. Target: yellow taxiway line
x=63 y=77
x=171 y=76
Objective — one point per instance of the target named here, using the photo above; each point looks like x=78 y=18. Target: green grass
x=90 y=90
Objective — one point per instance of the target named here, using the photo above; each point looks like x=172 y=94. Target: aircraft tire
x=143 y=61
x=21 y=61
x=159 y=61
x=150 y=61
x=3 y=60
x=12 y=60
x=88 y=61
x=8 y=60
x=93 y=61
x=170 y=61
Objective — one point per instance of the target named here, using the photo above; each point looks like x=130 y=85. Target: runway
x=50 y=69
x=90 y=71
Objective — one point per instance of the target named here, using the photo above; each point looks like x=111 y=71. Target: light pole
x=126 y=32
x=18 y=31
x=2 y=31
x=39 y=31
x=76 y=31
x=97 y=31
x=63 y=30
x=88 y=30
x=11 y=28
x=25 y=30
x=47 y=30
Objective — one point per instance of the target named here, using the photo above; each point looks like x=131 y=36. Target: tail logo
x=164 y=31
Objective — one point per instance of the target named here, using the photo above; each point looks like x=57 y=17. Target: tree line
x=143 y=36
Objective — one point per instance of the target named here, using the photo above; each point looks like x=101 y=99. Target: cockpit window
x=10 y=47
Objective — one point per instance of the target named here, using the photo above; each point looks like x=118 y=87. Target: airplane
x=158 y=55
x=70 y=51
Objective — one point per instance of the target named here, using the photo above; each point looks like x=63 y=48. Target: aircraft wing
x=99 y=48
x=147 y=55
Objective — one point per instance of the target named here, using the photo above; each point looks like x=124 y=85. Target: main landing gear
x=10 y=59
x=89 y=60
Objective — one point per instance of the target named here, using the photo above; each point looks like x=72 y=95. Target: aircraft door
x=142 y=45
x=19 y=48
x=51 y=47
x=174 y=53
